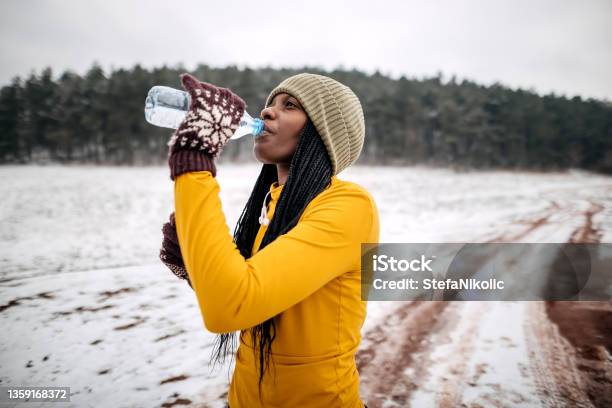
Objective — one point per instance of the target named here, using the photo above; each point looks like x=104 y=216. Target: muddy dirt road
x=480 y=354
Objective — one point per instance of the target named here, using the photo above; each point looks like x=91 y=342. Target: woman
x=289 y=280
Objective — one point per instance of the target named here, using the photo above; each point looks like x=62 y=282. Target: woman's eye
x=291 y=103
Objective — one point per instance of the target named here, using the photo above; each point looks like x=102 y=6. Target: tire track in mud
x=580 y=332
x=452 y=389
x=392 y=344
x=553 y=362
x=588 y=233
x=585 y=330
x=399 y=356
x=408 y=330
x=559 y=372
x=402 y=341
x=532 y=225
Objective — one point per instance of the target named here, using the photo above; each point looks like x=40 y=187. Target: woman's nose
x=267 y=113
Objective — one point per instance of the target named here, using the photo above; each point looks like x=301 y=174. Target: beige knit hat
x=335 y=112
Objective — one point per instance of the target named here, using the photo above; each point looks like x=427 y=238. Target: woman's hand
x=170 y=252
x=213 y=117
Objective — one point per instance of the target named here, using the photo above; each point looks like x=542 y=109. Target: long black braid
x=310 y=173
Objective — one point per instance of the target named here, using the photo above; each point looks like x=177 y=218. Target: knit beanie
x=335 y=112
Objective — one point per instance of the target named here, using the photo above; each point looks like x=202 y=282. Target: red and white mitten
x=213 y=117
x=170 y=252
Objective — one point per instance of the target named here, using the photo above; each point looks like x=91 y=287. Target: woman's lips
x=267 y=129
x=261 y=135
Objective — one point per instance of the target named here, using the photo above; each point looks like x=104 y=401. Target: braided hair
x=310 y=173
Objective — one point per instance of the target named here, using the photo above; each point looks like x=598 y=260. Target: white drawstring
x=263 y=218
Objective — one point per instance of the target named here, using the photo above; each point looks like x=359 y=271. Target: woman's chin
x=261 y=156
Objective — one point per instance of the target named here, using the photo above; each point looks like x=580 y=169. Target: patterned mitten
x=213 y=117
x=170 y=252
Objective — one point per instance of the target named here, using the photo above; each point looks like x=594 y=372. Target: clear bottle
x=167 y=107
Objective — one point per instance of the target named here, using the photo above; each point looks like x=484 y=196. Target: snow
x=79 y=251
x=484 y=362
x=81 y=331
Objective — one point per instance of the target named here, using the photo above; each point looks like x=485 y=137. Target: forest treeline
x=98 y=118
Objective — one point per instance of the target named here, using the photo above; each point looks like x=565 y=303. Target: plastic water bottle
x=167 y=107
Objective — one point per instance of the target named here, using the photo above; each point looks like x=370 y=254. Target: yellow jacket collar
x=275 y=191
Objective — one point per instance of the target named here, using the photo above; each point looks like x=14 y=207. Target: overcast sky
x=558 y=45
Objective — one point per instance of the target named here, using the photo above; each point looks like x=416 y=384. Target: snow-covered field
x=85 y=302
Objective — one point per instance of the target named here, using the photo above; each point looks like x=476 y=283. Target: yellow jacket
x=309 y=278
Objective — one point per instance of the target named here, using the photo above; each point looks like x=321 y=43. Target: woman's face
x=284 y=120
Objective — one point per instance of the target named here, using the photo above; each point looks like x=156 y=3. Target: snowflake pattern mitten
x=212 y=119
